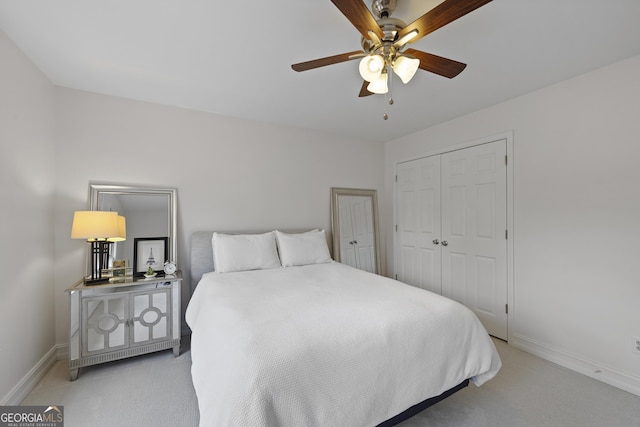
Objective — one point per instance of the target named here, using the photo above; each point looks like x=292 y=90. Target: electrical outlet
x=636 y=345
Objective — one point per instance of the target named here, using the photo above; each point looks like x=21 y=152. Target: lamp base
x=99 y=258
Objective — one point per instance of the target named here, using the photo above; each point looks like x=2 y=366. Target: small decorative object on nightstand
x=169 y=268
x=150 y=273
x=123 y=318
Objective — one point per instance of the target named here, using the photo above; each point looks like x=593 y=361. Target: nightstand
x=123 y=318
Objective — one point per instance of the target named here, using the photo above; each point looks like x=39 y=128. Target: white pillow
x=303 y=248
x=240 y=252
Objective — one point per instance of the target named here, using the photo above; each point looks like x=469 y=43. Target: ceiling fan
x=384 y=41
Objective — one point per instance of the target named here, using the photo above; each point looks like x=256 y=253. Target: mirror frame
x=336 y=192
x=97 y=189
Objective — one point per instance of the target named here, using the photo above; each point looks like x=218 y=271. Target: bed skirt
x=419 y=407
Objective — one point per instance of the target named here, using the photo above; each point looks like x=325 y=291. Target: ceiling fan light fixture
x=406 y=68
x=371 y=67
x=379 y=85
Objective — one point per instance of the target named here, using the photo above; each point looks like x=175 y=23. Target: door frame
x=508 y=138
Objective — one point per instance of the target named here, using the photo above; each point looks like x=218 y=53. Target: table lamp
x=99 y=229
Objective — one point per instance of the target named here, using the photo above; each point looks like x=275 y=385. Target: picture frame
x=119 y=267
x=119 y=263
x=149 y=252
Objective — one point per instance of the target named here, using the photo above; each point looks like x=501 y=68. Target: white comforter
x=326 y=345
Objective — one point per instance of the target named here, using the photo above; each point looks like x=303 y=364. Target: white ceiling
x=233 y=58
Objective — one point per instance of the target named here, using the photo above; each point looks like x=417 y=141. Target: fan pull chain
x=389 y=87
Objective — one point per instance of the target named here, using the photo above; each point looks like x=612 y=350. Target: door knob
x=445 y=243
x=435 y=241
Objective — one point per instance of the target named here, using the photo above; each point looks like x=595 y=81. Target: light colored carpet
x=156 y=390
x=150 y=390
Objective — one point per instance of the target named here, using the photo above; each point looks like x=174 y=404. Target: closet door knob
x=435 y=241
x=445 y=243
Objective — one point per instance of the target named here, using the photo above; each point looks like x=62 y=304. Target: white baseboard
x=63 y=352
x=613 y=377
x=31 y=379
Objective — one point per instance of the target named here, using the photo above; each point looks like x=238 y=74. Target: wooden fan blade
x=441 y=15
x=437 y=64
x=321 y=62
x=364 y=91
x=360 y=17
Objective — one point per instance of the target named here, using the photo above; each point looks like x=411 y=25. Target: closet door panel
x=418 y=214
x=473 y=226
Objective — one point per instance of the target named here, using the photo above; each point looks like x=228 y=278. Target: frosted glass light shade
x=371 y=67
x=379 y=85
x=94 y=225
x=406 y=68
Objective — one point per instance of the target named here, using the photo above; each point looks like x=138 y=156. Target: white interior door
x=348 y=253
x=418 y=227
x=364 y=242
x=474 y=224
x=357 y=241
x=451 y=229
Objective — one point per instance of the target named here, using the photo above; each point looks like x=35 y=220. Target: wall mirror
x=150 y=217
x=354 y=222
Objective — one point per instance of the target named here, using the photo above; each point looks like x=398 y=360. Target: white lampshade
x=122 y=230
x=371 y=67
x=94 y=225
x=379 y=85
x=406 y=68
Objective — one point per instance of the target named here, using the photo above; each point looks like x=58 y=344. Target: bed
x=307 y=341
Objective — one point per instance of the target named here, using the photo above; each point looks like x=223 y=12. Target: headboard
x=202 y=251
x=201 y=255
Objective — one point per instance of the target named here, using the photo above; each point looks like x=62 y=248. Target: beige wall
x=576 y=201
x=576 y=216
x=26 y=219
x=230 y=174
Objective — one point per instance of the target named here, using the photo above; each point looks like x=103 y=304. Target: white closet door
x=474 y=223
x=418 y=215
